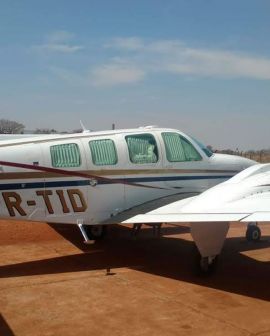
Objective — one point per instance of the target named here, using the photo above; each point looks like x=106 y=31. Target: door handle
x=93 y=182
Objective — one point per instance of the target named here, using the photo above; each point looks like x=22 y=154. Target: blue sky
x=199 y=66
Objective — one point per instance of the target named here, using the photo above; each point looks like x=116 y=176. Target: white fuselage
x=91 y=177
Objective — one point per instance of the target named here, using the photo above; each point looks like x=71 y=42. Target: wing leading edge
x=245 y=198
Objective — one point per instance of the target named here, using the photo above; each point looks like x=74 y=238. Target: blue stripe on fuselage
x=77 y=183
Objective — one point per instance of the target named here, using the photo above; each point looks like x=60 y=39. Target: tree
x=10 y=127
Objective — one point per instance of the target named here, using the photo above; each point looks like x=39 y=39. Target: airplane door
x=144 y=167
x=66 y=192
x=104 y=159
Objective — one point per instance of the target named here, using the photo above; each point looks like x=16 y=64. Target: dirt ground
x=53 y=284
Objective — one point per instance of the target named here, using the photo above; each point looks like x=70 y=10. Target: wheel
x=253 y=233
x=203 y=266
x=207 y=265
x=95 y=232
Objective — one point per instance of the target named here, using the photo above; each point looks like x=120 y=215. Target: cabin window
x=66 y=155
x=179 y=149
x=103 y=152
x=142 y=148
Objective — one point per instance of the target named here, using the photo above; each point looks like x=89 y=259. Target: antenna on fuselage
x=84 y=129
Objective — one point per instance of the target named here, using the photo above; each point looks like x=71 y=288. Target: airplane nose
x=232 y=162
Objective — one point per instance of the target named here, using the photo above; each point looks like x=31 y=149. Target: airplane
x=243 y=198
x=93 y=179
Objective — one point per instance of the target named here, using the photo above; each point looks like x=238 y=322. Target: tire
x=95 y=232
x=253 y=233
x=207 y=265
x=203 y=266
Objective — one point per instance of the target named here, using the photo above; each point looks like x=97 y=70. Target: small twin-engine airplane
x=93 y=179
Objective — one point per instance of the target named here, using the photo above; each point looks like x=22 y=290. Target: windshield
x=206 y=150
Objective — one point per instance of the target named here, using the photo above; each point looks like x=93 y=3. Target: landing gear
x=209 y=238
x=253 y=232
x=207 y=265
x=95 y=232
x=203 y=266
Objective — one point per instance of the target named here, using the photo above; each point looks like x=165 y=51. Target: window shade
x=103 y=152
x=66 y=155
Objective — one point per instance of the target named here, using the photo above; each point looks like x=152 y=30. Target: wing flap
x=257 y=217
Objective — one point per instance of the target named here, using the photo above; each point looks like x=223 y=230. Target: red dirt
x=53 y=284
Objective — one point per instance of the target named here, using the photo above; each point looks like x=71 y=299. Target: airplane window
x=142 y=148
x=103 y=152
x=66 y=155
x=179 y=149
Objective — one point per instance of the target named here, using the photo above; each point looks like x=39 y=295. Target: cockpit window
x=142 y=148
x=206 y=150
x=179 y=149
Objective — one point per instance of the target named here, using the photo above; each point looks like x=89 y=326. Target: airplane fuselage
x=90 y=177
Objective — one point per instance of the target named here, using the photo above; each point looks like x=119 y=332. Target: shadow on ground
x=4 y=327
x=165 y=256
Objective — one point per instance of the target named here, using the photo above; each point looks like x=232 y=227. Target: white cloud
x=175 y=57
x=111 y=74
x=62 y=48
x=221 y=64
x=115 y=74
x=60 y=42
x=132 y=59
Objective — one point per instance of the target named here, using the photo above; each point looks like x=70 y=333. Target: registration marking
x=31 y=203
x=71 y=200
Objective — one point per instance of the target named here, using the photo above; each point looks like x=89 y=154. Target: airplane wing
x=148 y=207
x=245 y=198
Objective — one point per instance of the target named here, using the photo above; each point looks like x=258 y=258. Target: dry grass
x=260 y=157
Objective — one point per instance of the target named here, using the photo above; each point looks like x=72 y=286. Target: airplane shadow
x=167 y=257
x=4 y=327
x=73 y=235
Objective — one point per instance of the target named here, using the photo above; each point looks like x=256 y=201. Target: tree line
x=14 y=127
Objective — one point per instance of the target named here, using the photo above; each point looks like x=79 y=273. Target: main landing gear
x=209 y=238
x=203 y=266
x=253 y=232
